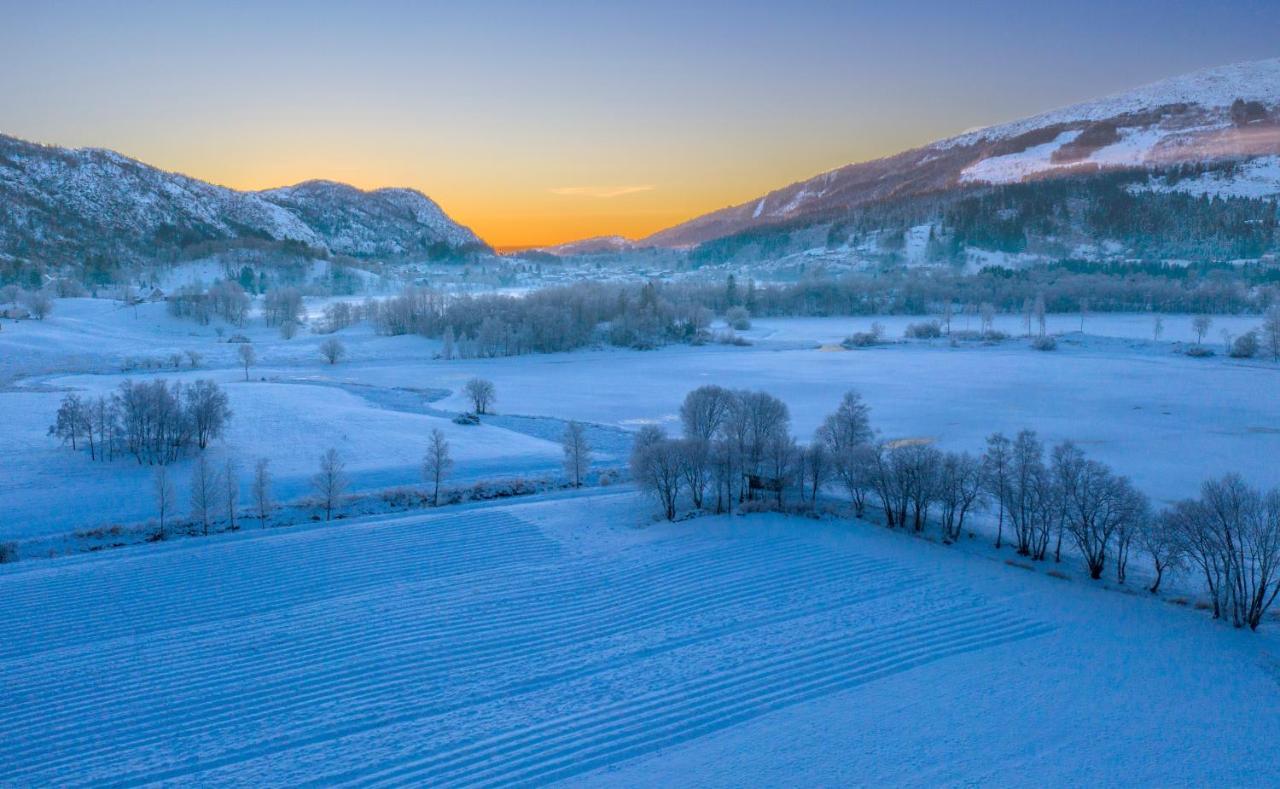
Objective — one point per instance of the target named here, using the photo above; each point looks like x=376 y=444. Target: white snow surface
x=573 y=640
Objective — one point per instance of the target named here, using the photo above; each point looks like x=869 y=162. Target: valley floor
x=573 y=639
x=1166 y=420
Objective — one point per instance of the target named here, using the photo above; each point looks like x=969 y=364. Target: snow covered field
x=573 y=639
x=1166 y=420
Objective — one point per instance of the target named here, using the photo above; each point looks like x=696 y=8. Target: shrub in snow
x=1199 y=352
x=466 y=418
x=238 y=338
x=8 y=552
x=729 y=338
x=738 y=318
x=863 y=339
x=929 y=330
x=1045 y=343
x=1245 y=346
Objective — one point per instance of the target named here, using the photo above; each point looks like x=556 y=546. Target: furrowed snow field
x=571 y=639
x=1166 y=420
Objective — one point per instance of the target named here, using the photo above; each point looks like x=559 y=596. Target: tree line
x=736 y=451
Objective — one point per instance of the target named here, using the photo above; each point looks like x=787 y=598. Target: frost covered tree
x=995 y=474
x=436 y=464
x=759 y=420
x=1097 y=506
x=1232 y=532
x=38 y=304
x=1157 y=327
x=847 y=435
x=1028 y=494
x=696 y=468
x=204 y=492
x=333 y=350
x=817 y=469
x=658 y=470
x=71 y=421
x=1201 y=324
x=330 y=482
x=704 y=410
x=1271 y=332
x=577 y=452
x=960 y=483
x=231 y=491
x=447 y=343
x=1158 y=538
x=208 y=409
x=247 y=358
x=987 y=316
x=262 y=498
x=781 y=463
x=482 y=394
x=916 y=466
x=166 y=497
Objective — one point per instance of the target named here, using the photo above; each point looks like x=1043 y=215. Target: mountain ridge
x=68 y=204
x=1219 y=113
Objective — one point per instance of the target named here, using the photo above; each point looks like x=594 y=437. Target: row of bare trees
x=214 y=492
x=736 y=445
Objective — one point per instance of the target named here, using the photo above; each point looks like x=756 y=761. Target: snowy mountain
x=1230 y=113
x=595 y=245
x=65 y=206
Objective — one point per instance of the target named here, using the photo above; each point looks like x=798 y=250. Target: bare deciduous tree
x=204 y=492
x=704 y=410
x=695 y=456
x=960 y=484
x=577 y=452
x=1232 y=532
x=262 y=499
x=209 y=410
x=482 y=395
x=817 y=469
x=1200 y=324
x=330 y=482
x=658 y=469
x=1271 y=332
x=1096 y=506
x=166 y=498
x=231 y=490
x=247 y=358
x=995 y=469
x=1158 y=538
x=436 y=464
x=333 y=350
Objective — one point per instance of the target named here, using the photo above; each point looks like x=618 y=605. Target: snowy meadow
x=573 y=634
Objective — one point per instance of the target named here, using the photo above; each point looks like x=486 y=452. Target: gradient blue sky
x=539 y=122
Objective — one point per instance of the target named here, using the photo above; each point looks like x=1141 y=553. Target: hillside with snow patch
x=66 y=206
x=1230 y=113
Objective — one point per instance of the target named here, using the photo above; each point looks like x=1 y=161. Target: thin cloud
x=603 y=192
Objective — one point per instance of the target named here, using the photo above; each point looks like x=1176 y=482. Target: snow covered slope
x=591 y=246
x=1226 y=113
x=542 y=641
x=64 y=205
